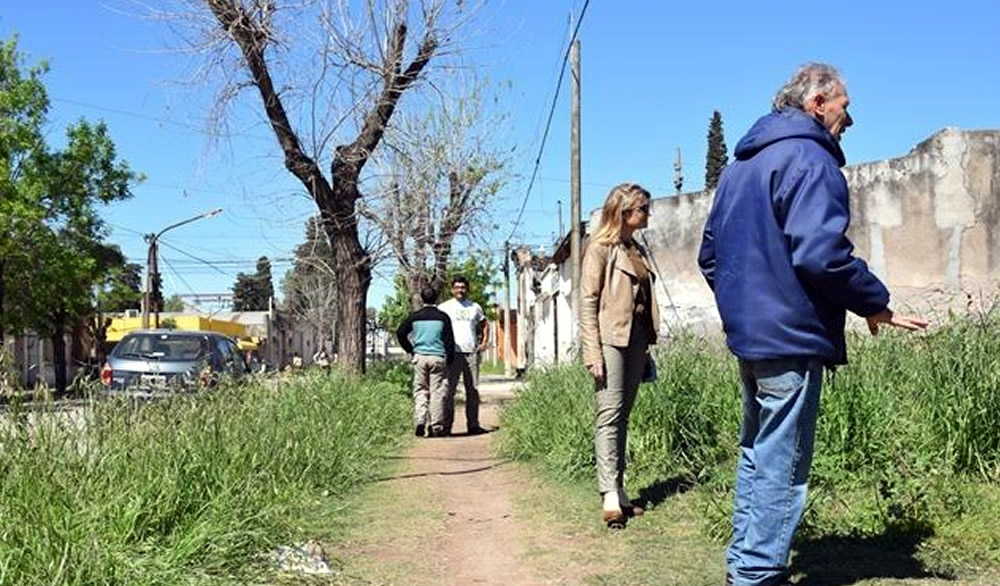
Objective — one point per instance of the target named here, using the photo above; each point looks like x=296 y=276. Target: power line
x=189 y=255
x=123 y=228
x=548 y=123
x=166 y=121
x=224 y=262
x=177 y=274
x=590 y=183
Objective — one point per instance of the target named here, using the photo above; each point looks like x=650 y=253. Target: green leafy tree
x=481 y=271
x=396 y=307
x=254 y=292
x=244 y=292
x=174 y=303
x=23 y=107
x=717 y=157
x=120 y=289
x=265 y=283
x=52 y=251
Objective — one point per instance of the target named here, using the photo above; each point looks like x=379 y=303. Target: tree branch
x=351 y=158
x=252 y=37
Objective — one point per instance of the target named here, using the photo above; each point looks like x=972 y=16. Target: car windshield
x=162 y=347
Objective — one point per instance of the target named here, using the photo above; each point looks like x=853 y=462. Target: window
x=166 y=347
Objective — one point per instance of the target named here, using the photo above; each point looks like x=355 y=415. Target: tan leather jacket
x=608 y=287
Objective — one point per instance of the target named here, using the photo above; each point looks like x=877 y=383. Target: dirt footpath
x=450 y=512
x=453 y=514
x=478 y=540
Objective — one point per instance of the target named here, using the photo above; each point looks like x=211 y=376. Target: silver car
x=171 y=360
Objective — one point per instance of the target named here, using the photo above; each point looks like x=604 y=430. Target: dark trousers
x=465 y=365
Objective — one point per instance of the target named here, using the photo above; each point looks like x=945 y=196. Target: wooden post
x=574 y=181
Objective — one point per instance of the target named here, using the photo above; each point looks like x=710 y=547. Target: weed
x=118 y=493
x=907 y=432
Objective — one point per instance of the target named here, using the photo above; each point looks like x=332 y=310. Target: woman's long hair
x=622 y=197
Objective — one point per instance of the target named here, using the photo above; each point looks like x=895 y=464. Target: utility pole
x=147 y=296
x=574 y=187
x=151 y=264
x=678 y=176
x=507 y=370
x=561 y=228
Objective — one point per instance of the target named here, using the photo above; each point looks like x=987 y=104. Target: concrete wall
x=927 y=222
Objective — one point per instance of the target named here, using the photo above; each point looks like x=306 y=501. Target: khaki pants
x=622 y=372
x=465 y=366
x=429 y=386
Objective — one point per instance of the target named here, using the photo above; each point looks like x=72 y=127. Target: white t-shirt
x=465 y=317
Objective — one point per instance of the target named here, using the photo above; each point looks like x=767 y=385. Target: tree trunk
x=354 y=278
x=337 y=198
x=354 y=268
x=352 y=313
x=415 y=281
x=3 y=292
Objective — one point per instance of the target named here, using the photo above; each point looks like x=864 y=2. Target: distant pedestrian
x=468 y=322
x=618 y=319
x=776 y=254
x=427 y=335
x=322 y=359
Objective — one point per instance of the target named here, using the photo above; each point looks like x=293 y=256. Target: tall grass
x=908 y=432
x=683 y=425
x=187 y=489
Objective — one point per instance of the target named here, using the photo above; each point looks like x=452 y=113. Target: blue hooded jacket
x=775 y=250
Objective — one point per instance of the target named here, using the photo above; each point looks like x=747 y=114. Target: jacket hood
x=787 y=123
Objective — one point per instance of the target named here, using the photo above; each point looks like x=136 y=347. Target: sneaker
x=419 y=432
x=476 y=430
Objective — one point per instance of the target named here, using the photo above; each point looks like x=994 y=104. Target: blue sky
x=651 y=76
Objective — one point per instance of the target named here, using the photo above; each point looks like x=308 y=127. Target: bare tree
x=326 y=72
x=441 y=172
x=310 y=286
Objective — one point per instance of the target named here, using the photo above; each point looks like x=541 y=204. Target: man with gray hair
x=776 y=255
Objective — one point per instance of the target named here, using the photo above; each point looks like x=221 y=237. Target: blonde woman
x=618 y=317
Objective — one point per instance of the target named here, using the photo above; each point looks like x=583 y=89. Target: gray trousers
x=615 y=397
x=429 y=388
x=465 y=365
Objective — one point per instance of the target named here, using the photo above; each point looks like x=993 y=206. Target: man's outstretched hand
x=886 y=316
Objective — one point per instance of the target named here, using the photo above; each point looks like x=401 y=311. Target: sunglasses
x=644 y=209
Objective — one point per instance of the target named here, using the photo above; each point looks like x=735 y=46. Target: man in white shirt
x=468 y=323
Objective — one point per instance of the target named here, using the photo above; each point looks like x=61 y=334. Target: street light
x=152 y=267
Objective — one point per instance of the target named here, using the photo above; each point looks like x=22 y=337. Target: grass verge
x=907 y=451
x=189 y=490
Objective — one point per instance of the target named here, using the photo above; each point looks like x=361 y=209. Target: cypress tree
x=716 y=158
x=252 y=292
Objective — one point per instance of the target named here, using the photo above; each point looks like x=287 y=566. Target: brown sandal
x=614 y=519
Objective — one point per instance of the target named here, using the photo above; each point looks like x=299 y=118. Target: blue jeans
x=780 y=404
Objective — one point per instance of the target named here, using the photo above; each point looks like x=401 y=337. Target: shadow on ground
x=461 y=472
x=840 y=561
x=662 y=489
